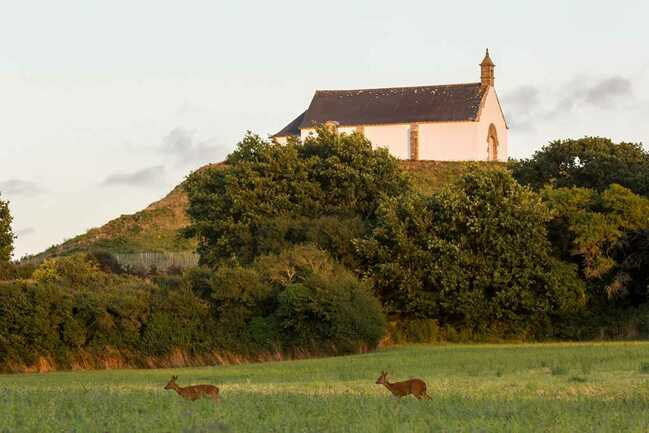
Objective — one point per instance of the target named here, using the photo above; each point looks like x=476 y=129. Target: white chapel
x=453 y=122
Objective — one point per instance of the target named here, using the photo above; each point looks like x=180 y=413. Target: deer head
x=382 y=378
x=172 y=383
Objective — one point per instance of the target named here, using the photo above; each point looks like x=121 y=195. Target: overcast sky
x=106 y=105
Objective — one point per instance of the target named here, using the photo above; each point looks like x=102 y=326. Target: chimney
x=487 y=71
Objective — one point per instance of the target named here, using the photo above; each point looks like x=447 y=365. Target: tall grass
x=480 y=388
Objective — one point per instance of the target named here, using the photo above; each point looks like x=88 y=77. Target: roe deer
x=194 y=392
x=416 y=387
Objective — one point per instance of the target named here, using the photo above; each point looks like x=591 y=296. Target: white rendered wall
x=396 y=138
x=281 y=140
x=440 y=141
x=448 y=141
x=310 y=132
x=491 y=113
x=346 y=130
x=307 y=132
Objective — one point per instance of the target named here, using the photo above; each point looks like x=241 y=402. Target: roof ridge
x=399 y=87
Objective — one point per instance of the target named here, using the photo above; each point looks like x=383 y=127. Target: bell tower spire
x=487 y=71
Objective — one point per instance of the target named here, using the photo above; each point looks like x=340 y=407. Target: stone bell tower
x=487 y=71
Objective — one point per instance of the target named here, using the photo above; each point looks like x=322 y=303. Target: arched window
x=492 y=141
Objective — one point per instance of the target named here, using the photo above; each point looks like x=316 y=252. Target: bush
x=238 y=295
x=324 y=304
x=607 y=234
x=415 y=331
x=16 y=271
x=271 y=196
x=75 y=271
x=70 y=307
x=604 y=321
x=178 y=320
x=298 y=299
x=6 y=234
x=474 y=256
x=264 y=334
x=106 y=262
x=341 y=313
x=589 y=162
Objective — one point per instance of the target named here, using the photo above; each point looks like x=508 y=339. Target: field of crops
x=488 y=388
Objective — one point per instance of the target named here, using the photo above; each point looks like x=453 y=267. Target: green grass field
x=486 y=388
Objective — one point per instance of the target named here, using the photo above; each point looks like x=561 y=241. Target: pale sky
x=106 y=105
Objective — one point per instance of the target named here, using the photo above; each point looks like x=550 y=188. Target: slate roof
x=446 y=103
x=293 y=128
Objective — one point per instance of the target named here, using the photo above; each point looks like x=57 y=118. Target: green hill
x=431 y=176
x=154 y=230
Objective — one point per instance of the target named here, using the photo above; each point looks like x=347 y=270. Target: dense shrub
x=334 y=234
x=606 y=233
x=270 y=196
x=6 y=234
x=600 y=223
x=71 y=307
x=16 y=271
x=605 y=322
x=239 y=296
x=474 y=256
x=106 y=262
x=300 y=298
x=590 y=162
x=177 y=320
x=330 y=307
x=74 y=271
x=415 y=331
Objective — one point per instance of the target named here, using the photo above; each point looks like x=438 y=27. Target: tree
x=590 y=162
x=6 y=234
x=475 y=255
x=607 y=234
x=268 y=196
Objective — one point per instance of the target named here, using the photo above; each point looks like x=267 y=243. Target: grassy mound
x=155 y=228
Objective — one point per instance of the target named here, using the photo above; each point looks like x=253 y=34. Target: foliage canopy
x=6 y=234
x=269 y=195
x=590 y=162
x=475 y=255
x=607 y=234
